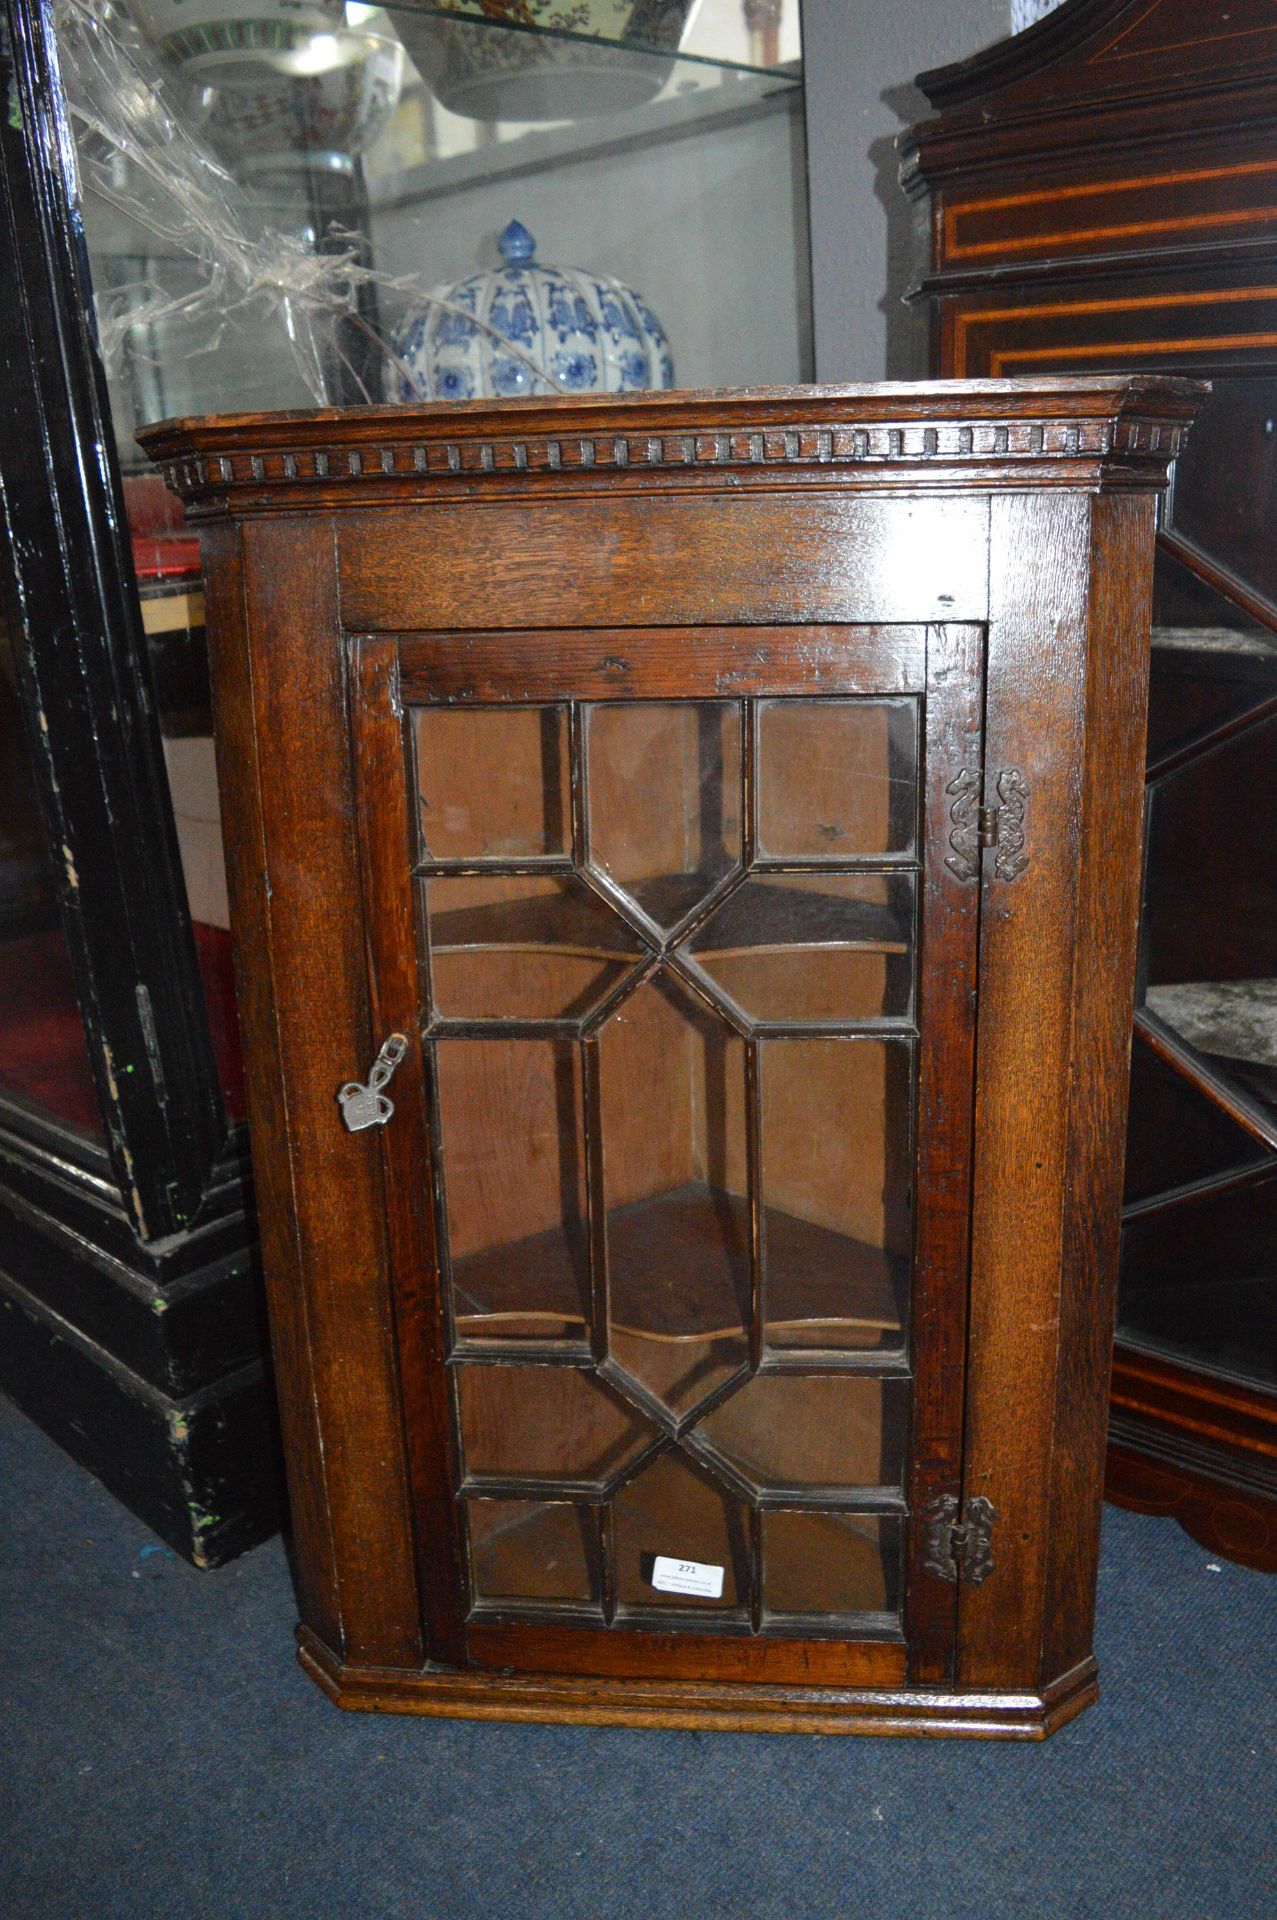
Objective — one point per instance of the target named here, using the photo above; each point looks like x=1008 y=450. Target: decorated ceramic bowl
x=196 y=31
x=585 y=331
x=509 y=59
x=259 y=117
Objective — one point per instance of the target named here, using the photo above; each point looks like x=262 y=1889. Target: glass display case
x=288 y=204
x=256 y=204
x=1207 y=1017
x=1099 y=193
x=128 y=1295
x=226 y=193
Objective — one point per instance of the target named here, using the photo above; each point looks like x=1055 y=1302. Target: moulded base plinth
x=708 y=1705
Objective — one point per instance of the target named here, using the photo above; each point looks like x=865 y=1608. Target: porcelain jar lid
x=529 y=328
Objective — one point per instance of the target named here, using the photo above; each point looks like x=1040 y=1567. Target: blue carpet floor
x=164 y=1759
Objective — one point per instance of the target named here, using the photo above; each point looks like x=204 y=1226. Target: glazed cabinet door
x=679 y=1164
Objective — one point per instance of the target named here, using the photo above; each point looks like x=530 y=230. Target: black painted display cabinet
x=129 y=1303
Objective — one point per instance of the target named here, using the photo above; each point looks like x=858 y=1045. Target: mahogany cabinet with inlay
x=1102 y=197
x=685 y=859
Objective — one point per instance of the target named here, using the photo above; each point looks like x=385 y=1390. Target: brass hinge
x=959 y=1548
x=1002 y=827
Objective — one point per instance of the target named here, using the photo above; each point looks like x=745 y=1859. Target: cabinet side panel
x=322 y=1036
x=1034 y=723
x=239 y=782
x=1104 y=988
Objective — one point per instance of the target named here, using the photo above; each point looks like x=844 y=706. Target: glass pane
x=44 y=1056
x=1199 y=1280
x=675 y=1188
x=1210 y=906
x=192 y=780
x=1176 y=1134
x=522 y=947
x=800 y=948
x=492 y=782
x=628 y=1147
x=1225 y=493
x=533 y=1550
x=664 y=800
x=1211 y=660
x=837 y=1191
x=513 y=1134
x=830 y=1563
x=790 y=1432
x=173 y=622
x=675 y=1511
x=543 y=1423
x=837 y=779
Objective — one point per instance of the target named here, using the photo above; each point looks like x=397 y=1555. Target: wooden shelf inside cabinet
x=674 y=1292
x=669 y=1258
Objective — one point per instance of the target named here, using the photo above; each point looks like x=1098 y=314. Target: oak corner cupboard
x=685 y=864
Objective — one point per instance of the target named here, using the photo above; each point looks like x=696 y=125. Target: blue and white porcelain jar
x=530 y=329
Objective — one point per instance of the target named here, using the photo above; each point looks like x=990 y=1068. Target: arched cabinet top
x=1128 y=66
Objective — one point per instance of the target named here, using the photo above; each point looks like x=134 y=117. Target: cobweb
x=138 y=154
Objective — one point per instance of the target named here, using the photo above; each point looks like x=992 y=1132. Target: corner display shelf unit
x=685 y=858
x=1100 y=198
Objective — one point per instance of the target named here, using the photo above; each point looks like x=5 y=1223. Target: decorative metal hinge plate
x=975 y=826
x=959 y=1548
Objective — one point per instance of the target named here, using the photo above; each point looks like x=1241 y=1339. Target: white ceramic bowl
x=487 y=70
x=259 y=116
x=195 y=31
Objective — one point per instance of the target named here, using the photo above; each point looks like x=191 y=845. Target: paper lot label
x=687 y=1576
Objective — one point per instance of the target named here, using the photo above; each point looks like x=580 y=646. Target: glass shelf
x=474 y=97
x=719 y=32
x=427 y=150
